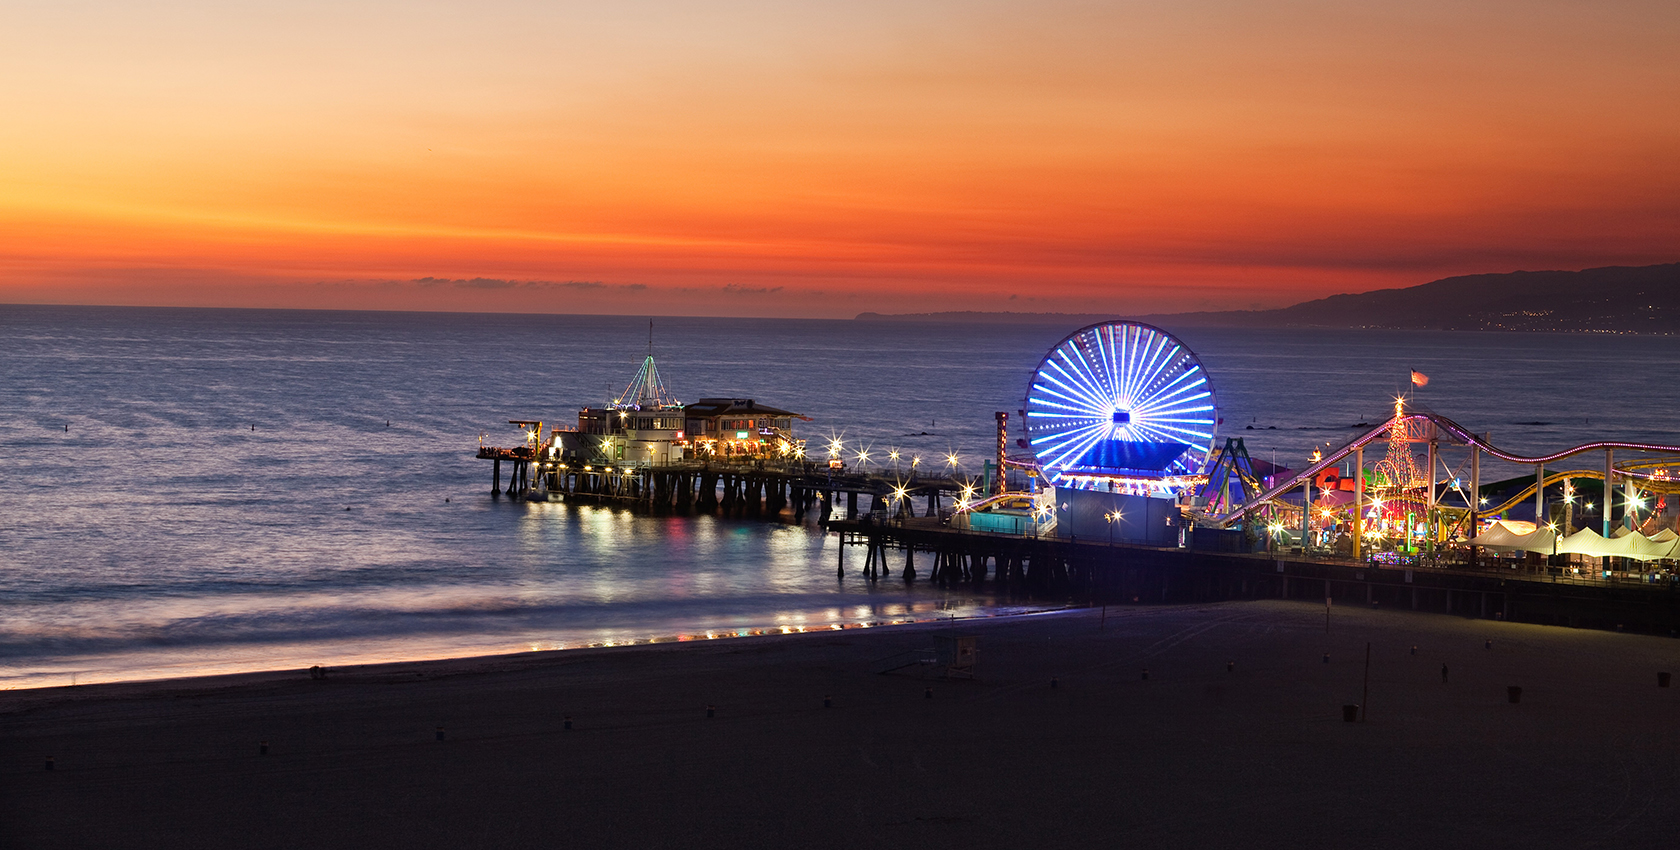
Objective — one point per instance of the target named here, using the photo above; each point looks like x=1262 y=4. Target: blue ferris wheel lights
x=1120 y=399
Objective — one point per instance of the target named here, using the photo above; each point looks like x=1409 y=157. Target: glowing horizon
x=823 y=159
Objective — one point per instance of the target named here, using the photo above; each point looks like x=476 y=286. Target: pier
x=1097 y=572
x=1124 y=495
x=733 y=489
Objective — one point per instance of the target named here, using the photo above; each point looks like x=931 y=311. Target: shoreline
x=661 y=641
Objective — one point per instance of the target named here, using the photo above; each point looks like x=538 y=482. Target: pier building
x=647 y=426
x=737 y=427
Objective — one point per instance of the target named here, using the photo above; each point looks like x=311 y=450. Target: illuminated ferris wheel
x=1120 y=400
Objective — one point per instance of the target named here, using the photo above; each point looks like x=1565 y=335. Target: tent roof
x=1631 y=545
x=1501 y=536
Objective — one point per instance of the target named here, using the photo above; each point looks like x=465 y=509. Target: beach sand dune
x=1194 y=755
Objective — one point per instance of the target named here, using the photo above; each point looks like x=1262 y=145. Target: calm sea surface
x=160 y=535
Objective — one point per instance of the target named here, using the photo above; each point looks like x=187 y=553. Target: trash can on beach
x=1350 y=713
x=1514 y=693
x=1662 y=680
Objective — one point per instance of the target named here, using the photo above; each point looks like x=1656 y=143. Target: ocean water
x=197 y=491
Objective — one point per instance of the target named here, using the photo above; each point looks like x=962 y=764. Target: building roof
x=1129 y=457
x=732 y=406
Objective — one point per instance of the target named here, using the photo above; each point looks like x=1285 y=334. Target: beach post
x=262 y=748
x=440 y=733
x=50 y=758
x=1365 y=694
x=711 y=711
x=1514 y=694
x=828 y=701
x=1662 y=680
x=568 y=722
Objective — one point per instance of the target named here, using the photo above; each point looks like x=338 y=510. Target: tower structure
x=1401 y=483
x=646 y=391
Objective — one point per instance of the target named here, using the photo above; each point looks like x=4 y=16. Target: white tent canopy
x=1631 y=545
x=1501 y=536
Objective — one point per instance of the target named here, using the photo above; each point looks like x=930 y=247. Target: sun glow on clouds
x=1129 y=156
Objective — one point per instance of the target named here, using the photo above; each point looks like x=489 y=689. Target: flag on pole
x=1419 y=379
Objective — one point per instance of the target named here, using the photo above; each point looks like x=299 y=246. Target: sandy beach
x=1234 y=739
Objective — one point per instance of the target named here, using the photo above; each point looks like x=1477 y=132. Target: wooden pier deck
x=744 y=489
x=919 y=543
x=1097 y=572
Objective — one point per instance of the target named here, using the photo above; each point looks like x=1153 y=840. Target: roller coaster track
x=1451 y=433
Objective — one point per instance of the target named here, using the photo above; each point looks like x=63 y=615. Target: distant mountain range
x=1614 y=299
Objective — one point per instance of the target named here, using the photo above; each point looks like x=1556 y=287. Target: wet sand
x=1193 y=756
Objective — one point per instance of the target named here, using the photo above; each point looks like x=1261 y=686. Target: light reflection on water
x=572 y=576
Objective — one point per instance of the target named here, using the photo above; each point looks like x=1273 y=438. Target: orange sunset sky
x=823 y=158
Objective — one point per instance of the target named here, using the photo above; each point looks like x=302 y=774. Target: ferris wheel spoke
x=1176 y=406
x=1060 y=458
x=1179 y=421
x=1133 y=339
x=1177 y=433
x=1159 y=361
x=1054 y=442
x=1081 y=402
x=1110 y=361
x=1077 y=374
x=1082 y=408
x=1077 y=449
x=1046 y=415
x=1185 y=395
x=1076 y=396
x=1087 y=374
x=1071 y=383
x=1191 y=375
x=1142 y=350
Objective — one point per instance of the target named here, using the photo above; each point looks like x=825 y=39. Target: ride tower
x=1400 y=490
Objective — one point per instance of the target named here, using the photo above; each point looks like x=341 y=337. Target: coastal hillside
x=1614 y=299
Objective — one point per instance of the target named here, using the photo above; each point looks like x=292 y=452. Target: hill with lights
x=1614 y=299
